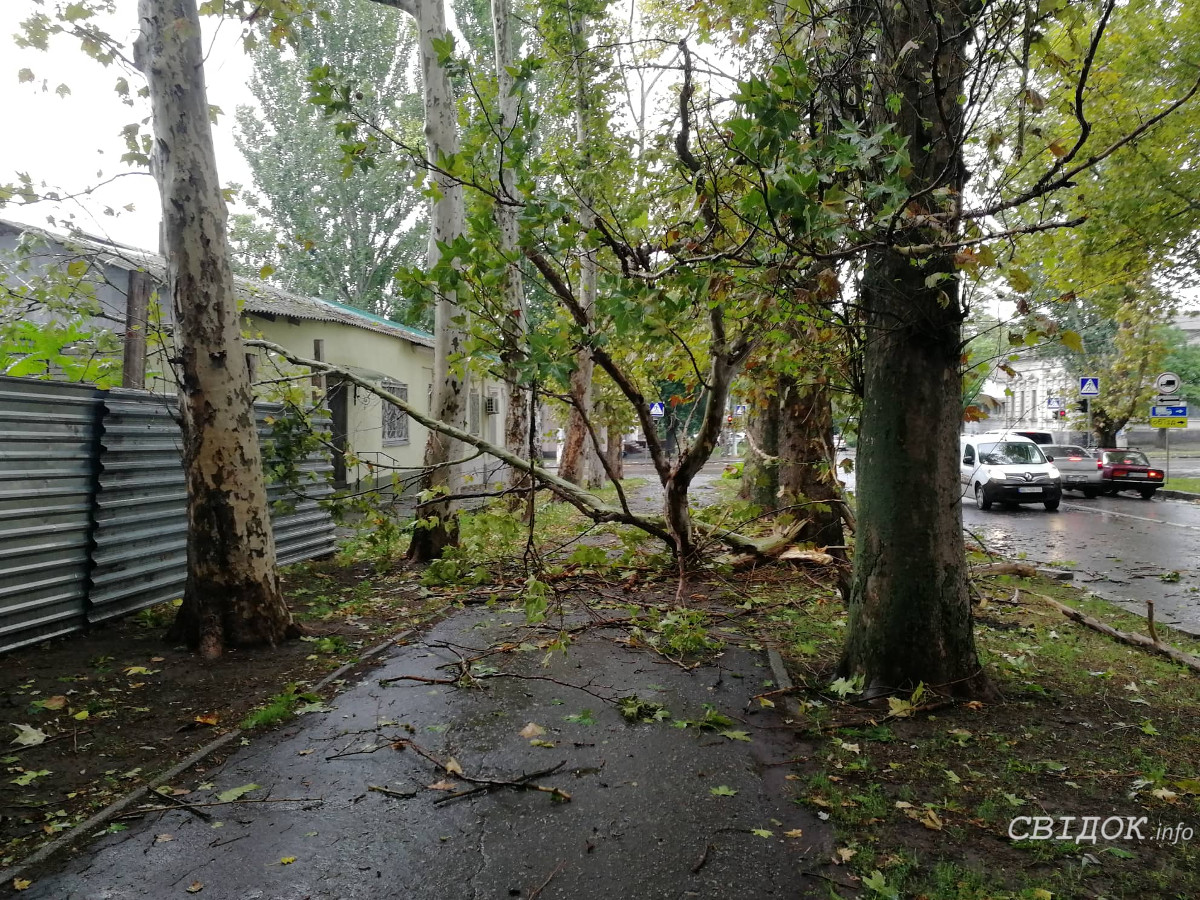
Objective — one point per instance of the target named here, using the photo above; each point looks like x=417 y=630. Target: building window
x=1037 y=413
x=395 y=420
x=474 y=413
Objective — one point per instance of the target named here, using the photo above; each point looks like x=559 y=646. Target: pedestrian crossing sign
x=657 y=409
x=1089 y=386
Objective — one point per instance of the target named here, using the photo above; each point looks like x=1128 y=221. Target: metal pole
x=1167 y=473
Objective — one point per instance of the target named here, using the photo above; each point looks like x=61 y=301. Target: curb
x=114 y=809
x=783 y=682
x=1177 y=495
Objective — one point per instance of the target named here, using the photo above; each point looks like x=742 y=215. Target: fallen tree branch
x=522 y=782
x=1022 y=570
x=1125 y=637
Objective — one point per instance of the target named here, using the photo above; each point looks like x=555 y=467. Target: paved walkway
x=643 y=820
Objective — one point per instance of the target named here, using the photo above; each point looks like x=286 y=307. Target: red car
x=1127 y=470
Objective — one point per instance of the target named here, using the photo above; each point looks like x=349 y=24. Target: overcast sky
x=66 y=141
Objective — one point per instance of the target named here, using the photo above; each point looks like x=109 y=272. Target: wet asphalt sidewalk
x=643 y=821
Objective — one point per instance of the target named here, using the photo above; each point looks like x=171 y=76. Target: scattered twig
x=1022 y=570
x=848 y=887
x=51 y=740
x=1150 y=622
x=192 y=807
x=183 y=804
x=541 y=887
x=699 y=864
x=400 y=795
x=523 y=782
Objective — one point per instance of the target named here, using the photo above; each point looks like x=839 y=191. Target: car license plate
x=1029 y=490
x=1076 y=478
x=1137 y=474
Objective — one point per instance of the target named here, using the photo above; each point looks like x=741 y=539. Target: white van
x=1006 y=467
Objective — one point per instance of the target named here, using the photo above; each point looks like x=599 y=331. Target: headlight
x=1054 y=473
x=996 y=475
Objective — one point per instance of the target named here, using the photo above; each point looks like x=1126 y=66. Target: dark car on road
x=1077 y=466
x=1127 y=470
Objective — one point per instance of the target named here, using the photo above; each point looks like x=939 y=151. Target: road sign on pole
x=1054 y=403
x=1089 y=386
x=1168 y=384
x=657 y=409
x=1168 y=411
x=740 y=409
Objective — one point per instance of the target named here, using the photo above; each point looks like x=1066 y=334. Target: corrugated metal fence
x=93 y=520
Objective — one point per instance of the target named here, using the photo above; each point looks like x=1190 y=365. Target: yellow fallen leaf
x=452 y=767
x=163 y=838
x=1042 y=894
x=21 y=883
x=56 y=702
x=210 y=719
x=81 y=715
x=532 y=730
x=931 y=821
x=794 y=833
x=765 y=702
x=195 y=887
x=442 y=786
x=287 y=860
x=843 y=855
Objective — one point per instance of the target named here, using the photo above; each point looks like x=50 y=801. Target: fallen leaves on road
x=28 y=736
x=236 y=793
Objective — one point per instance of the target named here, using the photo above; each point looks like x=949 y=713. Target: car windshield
x=1010 y=453
x=1126 y=458
x=1064 y=451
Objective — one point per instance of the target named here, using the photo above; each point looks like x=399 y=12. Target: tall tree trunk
x=514 y=326
x=578 y=464
x=438 y=530
x=232 y=595
x=760 y=473
x=910 y=616
x=806 y=460
x=615 y=450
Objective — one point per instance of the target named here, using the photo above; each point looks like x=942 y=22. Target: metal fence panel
x=93 y=506
x=48 y=434
x=141 y=505
x=303 y=528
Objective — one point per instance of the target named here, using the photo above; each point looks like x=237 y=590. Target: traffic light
x=1060 y=414
x=1083 y=406
x=729 y=419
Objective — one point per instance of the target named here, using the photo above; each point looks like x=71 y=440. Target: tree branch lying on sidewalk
x=585 y=501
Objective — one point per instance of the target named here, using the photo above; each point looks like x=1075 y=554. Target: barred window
x=395 y=420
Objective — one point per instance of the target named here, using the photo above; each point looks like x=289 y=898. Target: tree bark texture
x=806 y=460
x=615 y=450
x=760 y=473
x=438 y=531
x=232 y=595
x=910 y=616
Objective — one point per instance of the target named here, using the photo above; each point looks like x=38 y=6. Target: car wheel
x=1051 y=505
x=1147 y=493
x=981 y=499
x=1090 y=493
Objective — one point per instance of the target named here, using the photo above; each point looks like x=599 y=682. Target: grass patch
x=281 y=708
x=1087 y=727
x=1191 y=485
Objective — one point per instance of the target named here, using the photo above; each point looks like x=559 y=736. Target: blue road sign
x=657 y=410
x=1089 y=386
x=1168 y=411
x=740 y=409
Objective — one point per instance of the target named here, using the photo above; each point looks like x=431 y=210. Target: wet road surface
x=1120 y=548
x=642 y=821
